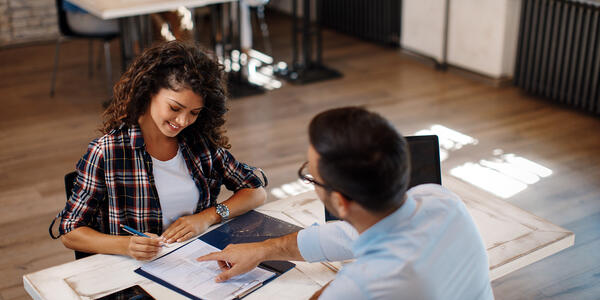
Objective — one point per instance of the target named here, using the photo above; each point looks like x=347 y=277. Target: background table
x=134 y=25
x=513 y=237
x=112 y=9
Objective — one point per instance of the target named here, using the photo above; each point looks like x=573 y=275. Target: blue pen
x=133 y=231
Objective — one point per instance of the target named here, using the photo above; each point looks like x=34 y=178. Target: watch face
x=223 y=211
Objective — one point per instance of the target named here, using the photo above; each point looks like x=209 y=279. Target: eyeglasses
x=305 y=176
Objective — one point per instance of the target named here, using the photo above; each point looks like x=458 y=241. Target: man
x=420 y=244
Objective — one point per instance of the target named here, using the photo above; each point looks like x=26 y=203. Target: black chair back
x=69 y=183
x=63 y=25
x=67 y=31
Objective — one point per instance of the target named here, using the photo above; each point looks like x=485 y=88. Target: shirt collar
x=382 y=228
x=135 y=136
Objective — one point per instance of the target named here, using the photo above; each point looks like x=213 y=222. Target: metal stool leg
x=91 y=59
x=107 y=61
x=99 y=57
x=260 y=13
x=56 y=54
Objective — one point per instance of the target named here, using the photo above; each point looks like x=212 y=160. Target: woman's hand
x=143 y=248
x=187 y=227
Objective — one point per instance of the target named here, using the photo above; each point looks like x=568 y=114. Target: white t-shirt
x=177 y=191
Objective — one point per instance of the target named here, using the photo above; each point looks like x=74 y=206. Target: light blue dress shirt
x=429 y=248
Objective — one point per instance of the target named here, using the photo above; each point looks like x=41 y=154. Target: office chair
x=69 y=183
x=67 y=32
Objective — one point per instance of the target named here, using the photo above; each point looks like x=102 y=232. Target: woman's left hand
x=186 y=227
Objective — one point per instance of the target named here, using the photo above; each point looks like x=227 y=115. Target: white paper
x=181 y=269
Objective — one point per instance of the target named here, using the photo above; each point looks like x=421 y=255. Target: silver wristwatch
x=223 y=211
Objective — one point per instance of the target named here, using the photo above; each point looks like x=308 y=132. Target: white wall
x=482 y=35
x=423 y=27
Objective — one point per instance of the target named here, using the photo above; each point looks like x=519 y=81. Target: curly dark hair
x=172 y=65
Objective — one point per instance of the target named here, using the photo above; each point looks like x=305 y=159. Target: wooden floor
x=42 y=138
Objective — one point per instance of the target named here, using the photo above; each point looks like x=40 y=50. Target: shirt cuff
x=309 y=245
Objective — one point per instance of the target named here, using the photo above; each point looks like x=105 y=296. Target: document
x=180 y=269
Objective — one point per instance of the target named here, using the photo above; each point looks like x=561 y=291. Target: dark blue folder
x=247 y=228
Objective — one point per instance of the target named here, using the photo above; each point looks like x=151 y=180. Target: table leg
x=238 y=83
x=309 y=70
x=122 y=42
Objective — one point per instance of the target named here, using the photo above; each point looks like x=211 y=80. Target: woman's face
x=172 y=111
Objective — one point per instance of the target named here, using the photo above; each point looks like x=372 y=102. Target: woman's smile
x=173 y=127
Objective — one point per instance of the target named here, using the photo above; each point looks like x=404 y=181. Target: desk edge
x=532 y=257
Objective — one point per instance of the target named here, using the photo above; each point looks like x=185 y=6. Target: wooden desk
x=513 y=237
x=100 y=274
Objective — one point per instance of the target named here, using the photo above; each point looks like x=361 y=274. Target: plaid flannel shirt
x=115 y=185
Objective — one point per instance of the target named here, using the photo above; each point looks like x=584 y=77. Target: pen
x=133 y=231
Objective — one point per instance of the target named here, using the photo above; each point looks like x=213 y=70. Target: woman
x=162 y=161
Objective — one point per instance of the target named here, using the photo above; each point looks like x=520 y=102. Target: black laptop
x=424 y=160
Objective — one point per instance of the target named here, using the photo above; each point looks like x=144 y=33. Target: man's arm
x=238 y=259
x=331 y=241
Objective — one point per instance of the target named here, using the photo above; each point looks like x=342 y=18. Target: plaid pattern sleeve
x=114 y=186
x=89 y=189
x=236 y=175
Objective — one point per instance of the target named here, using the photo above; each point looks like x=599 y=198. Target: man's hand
x=143 y=248
x=236 y=259
x=187 y=227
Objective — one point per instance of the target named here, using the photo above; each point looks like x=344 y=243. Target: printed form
x=181 y=269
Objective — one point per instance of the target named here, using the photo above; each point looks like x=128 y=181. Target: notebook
x=249 y=227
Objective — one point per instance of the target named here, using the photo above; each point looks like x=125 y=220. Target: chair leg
x=91 y=59
x=216 y=33
x=99 y=58
x=197 y=20
x=107 y=61
x=55 y=69
x=260 y=12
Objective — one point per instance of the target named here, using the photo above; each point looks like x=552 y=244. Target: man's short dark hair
x=362 y=156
